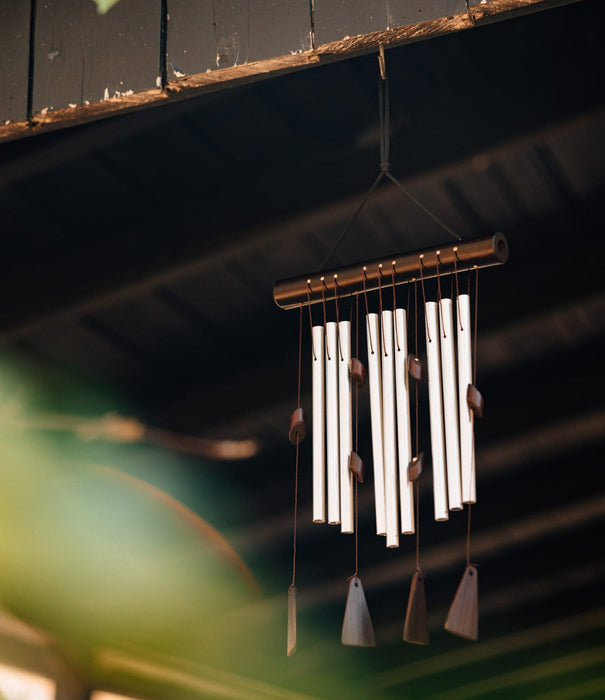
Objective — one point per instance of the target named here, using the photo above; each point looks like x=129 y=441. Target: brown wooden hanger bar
x=349 y=280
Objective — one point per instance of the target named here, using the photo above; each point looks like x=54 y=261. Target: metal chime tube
x=373 y=338
x=346 y=427
x=319 y=425
x=450 y=404
x=465 y=377
x=436 y=411
x=404 y=437
x=389 y=428
x=332 y=427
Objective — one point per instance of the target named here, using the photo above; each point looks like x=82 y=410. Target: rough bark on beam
x=195 y=85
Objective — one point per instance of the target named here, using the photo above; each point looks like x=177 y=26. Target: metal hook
x=382 y=62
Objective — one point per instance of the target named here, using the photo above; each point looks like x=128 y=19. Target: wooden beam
x=162 y=261
x=221 y=79
x=513 y=642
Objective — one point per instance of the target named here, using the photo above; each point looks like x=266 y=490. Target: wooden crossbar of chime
x=463 y=255
x=454 y=401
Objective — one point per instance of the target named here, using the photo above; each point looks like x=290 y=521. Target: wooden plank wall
x=60 y=55
x=14 y=59
x=204 y=36
x=82 y=57
x=337 y=19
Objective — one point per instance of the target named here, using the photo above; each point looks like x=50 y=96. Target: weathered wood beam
x=220 y=79
x=163 y=262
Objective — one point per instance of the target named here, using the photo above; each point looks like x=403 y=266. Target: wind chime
x=394 y=376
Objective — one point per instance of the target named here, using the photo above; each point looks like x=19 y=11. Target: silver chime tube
x=346 y=426
x=319 y=425
x=332 y=427
x=450 y=404
x=389 y=430
x=373 y=338
x=465 y=377
x=436 y=411
x=404 y=435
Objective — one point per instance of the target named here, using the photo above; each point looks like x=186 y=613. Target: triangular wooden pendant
x=416 y=628
x=291 y=648
x=463 y=617
x=357 y=630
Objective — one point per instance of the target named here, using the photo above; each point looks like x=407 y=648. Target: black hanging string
x=356 y=505
x=384 y=345
x=468 y=524
x=300 y=325
x=323 y=301
x=384 y=109
x=395 y=306
x=475 y=330
x=457 y=287
x=365 y=296
x=428 y=332
x=416 y=489
x=311 y=319
x=416 y=355
x=385 y=166
x=337 y=317
x=439 y=293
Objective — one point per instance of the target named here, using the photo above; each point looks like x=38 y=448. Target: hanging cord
x=300 y=325
x=457 y=287
x=385 y=125
x=416 y=355
x=351 y=221
x=475 y=331
x=468 y=536
x=337 y=317
x=416 y=489
x=384 y=345
x=356 y=434
x=365 y=296
x=385 y=166
x=395 y=306
x=323 y=301
x=426 y=323
x=419 y=204
x=311 y=319
x=468 y=524
x=439 y=293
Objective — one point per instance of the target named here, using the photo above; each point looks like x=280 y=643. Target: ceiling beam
x=132 y=264
x=220 y=79
x=513 y=453
x=517 y=641
x=557 y=666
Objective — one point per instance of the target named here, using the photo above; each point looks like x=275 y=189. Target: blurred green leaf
x=104 y=5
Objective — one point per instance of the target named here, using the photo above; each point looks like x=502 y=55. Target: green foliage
x=104 y=6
